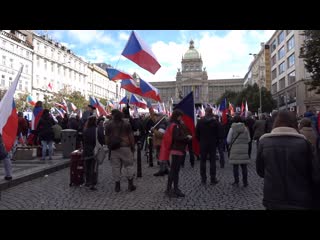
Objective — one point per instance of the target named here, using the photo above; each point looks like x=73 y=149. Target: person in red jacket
x=22 y=127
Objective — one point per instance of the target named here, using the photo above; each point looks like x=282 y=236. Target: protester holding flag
x=174 y=142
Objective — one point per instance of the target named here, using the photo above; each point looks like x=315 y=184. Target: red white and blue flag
x=149 y=91
x=8 y=115
x=186 y=105
x=139 y=52
x=138 y=102
x=223 y=108
x=124 y=100
x=30 y=101
x=100 y=107
x=131 y=86
x=37 y=113
x=115 y=74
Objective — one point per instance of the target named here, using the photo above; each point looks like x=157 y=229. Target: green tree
x=77 y=99
x=310 y=52
x=230 y=95
x=251 y=94
x=48 y=101
x=21 y=101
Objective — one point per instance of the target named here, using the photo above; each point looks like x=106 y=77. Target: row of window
x=191 y=67
x=282 y=83
x=282 y=52
x=281 y=67
x=19 y=87
x=280 y=38
x=59 y=56
x=14 y=65
x=16 y=49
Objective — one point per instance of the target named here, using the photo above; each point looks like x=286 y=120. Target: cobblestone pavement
x=53 y=192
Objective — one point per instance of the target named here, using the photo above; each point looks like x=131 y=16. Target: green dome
x=192 y=53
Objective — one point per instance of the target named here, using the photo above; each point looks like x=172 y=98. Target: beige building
x=100 y=86
x=193 y=77
x=288 y=74
x=259 y=69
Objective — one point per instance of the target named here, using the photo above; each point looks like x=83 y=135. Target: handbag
x=230 y=146
x=99 y=151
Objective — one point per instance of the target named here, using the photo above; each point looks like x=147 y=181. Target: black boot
x=159 y=173
x=117 y=188
x=178 y=193
x=131 y=187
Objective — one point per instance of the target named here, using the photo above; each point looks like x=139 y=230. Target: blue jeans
x=44 y=148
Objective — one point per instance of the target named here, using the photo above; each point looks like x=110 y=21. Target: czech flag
x=131 y=86
x=30 y=101
x=73 y=107
x=124 y=100
x=137 y=102
x=138 y=52
x=149 y=105
x=149 y=91
x=115 y=74
x=223 y=108
x=37 y=113
x=186 y=105
x=100 y=107
x=93 y=102
x=9 y=116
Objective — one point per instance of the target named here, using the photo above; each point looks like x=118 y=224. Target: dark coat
x=290 y=171
x=209 y=131
x=89 y=140
x=249 y=122
x=179 y=138
x=45 y=129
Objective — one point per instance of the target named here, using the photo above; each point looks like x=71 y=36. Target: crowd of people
x=287 y=149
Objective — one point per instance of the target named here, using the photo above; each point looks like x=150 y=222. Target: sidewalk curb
x=28 y=177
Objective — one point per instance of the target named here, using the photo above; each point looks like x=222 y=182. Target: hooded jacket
x=290 y=171
x=239 y=149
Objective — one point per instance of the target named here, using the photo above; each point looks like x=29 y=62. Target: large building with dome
x=193 y=76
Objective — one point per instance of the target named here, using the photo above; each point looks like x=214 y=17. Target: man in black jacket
x=286 y=162
x=208 y=132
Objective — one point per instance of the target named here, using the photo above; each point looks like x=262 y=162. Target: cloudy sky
x=225 y=53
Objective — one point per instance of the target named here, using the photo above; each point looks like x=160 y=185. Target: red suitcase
x=76 y=168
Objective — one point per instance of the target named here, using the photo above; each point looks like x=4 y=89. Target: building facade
x=259 y=69
x=193 y=77
x=56 y=68
x=100 y=86
x=288 y=74
x=49 y=67
x=15 y=50
x=112 y=89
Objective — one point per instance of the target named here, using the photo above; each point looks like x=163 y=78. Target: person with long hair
x=179 y=142
x=89 y=140
x=286 y=162
x=46 y=134
x=120 y=139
